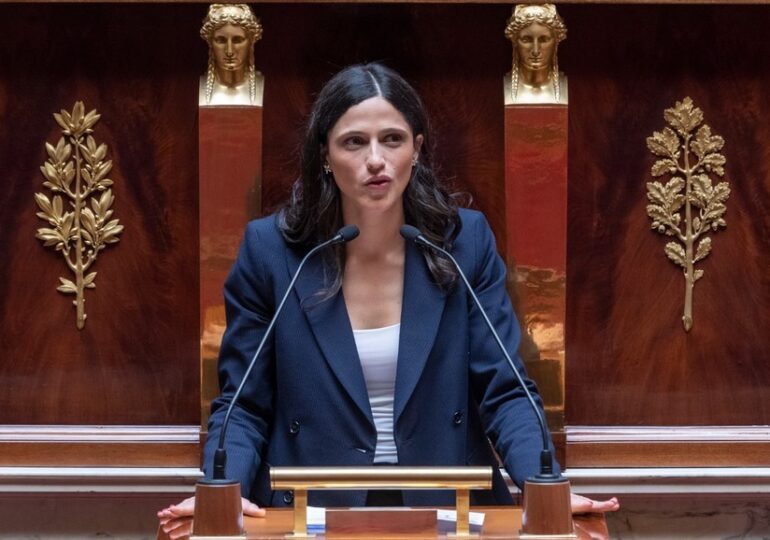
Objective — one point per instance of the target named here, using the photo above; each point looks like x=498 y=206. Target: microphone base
x=218 y=510
x=547 y=508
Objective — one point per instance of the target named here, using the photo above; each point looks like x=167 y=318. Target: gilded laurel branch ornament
x=76 y=172
x=689 y=154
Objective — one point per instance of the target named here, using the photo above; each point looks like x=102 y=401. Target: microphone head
x=348 y=233
x=410 y=232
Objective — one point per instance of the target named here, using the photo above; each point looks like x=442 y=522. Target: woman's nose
x=229 y=48
x=374 y=158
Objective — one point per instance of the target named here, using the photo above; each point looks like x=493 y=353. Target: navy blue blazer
x=306 y=402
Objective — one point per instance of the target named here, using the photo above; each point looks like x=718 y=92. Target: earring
x=414 y=161
x=327 y=169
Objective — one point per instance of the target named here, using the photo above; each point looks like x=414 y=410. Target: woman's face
x=535 y=46
x=231 y=47
x=370 y=152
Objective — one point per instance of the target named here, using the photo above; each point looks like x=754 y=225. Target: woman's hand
x=584 y=505
x=187 y=508
x=176 y=520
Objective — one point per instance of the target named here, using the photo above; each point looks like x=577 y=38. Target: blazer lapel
x=330 y=324
x=421 y=311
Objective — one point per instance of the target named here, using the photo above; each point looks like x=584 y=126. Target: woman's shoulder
x=470 y=217
x=472 y=223
x=263 y=241
x=265 y=228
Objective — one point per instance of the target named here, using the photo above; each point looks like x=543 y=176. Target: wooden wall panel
x=141 y=336
x=135 y=362
x=629 y=360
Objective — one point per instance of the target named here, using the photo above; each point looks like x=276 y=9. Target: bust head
x=535 y=31
x=230 y=31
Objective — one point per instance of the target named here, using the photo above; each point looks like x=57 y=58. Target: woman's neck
x=379 y=235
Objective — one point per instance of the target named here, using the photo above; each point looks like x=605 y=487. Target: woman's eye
x=393 y=138
x=354 y=141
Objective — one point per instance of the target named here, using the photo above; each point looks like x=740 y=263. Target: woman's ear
x=417 y=145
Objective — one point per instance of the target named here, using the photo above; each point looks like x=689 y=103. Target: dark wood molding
x=668 y=446
x=100 y=446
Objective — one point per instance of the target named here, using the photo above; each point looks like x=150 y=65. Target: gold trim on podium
x=302 y=479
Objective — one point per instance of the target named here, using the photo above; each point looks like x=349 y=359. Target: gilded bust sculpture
x=535 y=31
x=231 y=30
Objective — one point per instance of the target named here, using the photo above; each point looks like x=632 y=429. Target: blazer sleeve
x=249 y=305
x=508 y=419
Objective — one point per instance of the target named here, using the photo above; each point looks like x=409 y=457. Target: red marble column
x=230 y=180
x=536 y=241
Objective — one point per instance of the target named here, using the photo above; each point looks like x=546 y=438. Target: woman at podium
x=379 y=355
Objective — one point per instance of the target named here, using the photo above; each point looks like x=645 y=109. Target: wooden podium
x=499 y=522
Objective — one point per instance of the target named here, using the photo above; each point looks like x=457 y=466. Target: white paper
x=474 y=518
x=316 y=517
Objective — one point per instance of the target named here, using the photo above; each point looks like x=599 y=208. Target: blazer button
x=294 y=427
x=457 y=418
x=288 y=497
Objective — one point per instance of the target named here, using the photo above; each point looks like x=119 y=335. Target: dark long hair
x=314 y=213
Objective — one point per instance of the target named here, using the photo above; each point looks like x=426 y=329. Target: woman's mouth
x=377 y=181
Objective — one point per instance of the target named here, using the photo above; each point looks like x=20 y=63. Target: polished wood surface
x=536 y=247
x=91 y=446
x=75 y=454
x=499 y=522
x=379 y=523
x=136 y=360
x=547 y=508
x=536 y=185
x=693 y=446
x=629 y=360
x=230 y=188
x=218 y=508
x=230 y=193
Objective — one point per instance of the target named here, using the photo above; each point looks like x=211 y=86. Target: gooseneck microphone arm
x=546 y=459
x=345 y=234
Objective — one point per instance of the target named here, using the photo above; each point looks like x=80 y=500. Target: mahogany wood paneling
x=381 y=523
x=536 y=186
x=668 y=454
x=499 y=522
x=629 y=361
x=230 y=187
x=99 y=446
x=536 y=247
x=136 y=360
x=680 y=446
x=36 y=454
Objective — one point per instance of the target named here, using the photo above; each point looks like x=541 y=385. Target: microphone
x=345 y=234
x=546 y=474
x=547 y=512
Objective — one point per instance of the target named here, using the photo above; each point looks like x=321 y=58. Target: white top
x=378 y=351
